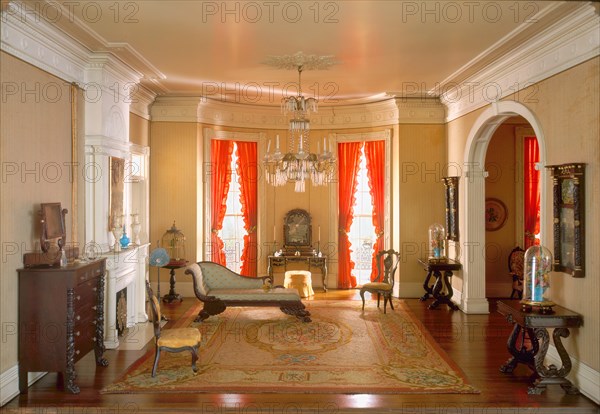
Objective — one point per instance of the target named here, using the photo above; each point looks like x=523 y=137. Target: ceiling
x=381 y=47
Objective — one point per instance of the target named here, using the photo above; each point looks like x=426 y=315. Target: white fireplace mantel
x=125 y=270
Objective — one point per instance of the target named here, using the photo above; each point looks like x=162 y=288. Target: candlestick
x=277 y=142
x=274 y=236
x=319 y=233
x=269 y=146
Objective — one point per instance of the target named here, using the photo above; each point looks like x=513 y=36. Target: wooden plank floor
x=477 y=343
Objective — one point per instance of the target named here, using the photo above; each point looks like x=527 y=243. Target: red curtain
x=220 y=178
x=247 y=177
x=349 y=161
x=532 y=191
x=375 y=156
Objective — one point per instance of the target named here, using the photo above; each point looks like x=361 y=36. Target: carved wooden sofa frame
x=217 y=287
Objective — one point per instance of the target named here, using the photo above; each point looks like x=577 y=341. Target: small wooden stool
x=300 y=280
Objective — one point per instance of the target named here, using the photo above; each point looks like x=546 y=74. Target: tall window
x=234 y=176
x=361 y=197
x=233 y=231
x=362 y=231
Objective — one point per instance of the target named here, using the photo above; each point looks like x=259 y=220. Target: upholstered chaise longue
x=218 y=287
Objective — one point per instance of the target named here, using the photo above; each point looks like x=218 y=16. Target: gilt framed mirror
x=568 y=189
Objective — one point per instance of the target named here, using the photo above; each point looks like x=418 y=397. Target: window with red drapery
x=375 y=154
x=245 y=172
x=348 y=161
x=349 y=154
x=531 y=191
x=220 y=155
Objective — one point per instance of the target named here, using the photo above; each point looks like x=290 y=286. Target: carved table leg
x=552 y=374
x=520 y=355
x=172 y=296
x=428 y=289
x=99 y=346
x=70 y=368
x=442 y=284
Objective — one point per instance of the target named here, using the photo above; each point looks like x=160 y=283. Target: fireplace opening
x=121 y=311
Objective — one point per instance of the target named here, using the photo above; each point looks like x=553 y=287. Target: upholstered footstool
x=300 y=280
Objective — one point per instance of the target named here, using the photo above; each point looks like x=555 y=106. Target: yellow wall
x=501 y=184
x=420 y=194
x=567 y=108
x=175 y=156
x=35 y=149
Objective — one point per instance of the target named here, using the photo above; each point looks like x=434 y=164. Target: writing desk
x=309 y=260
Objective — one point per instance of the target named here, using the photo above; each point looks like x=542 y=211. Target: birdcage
x=173 y=241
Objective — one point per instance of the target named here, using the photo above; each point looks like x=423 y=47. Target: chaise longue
x=218 y=287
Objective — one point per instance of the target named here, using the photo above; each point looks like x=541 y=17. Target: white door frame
x=473 y=298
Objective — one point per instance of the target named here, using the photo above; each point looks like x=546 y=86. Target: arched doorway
x=473 y=298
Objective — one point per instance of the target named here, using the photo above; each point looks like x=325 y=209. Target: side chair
x=172 y=340
x=516 y=260
x=383 y=285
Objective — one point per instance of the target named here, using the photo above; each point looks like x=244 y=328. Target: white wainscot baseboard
x=583 y=376
x=9 y=383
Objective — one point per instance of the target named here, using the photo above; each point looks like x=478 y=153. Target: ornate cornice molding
x=38 y=43
x=213 y=112
x=568 y=42
x=141 y=101
x=47 y=46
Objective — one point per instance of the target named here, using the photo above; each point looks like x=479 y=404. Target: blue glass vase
x=124 y=240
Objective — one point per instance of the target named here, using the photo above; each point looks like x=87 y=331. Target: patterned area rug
x=343 y=350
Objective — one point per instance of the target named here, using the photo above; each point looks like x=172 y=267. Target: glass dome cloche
x=537 y=268
x=437 y=242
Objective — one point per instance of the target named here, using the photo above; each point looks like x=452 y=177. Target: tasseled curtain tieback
x=252 y=230
x=214 y=231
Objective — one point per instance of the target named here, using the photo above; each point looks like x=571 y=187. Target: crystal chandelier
x=299 y=164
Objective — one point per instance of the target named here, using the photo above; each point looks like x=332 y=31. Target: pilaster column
x=473 y=293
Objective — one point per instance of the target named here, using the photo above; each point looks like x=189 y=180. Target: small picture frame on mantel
x=568 y=189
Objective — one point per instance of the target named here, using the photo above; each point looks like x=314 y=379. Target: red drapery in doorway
x=349 y=161
x=220 y=179
x=248 y=177
x=532 y=191
x=375 y=156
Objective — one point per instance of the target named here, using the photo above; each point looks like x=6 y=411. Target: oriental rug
x=343 y=350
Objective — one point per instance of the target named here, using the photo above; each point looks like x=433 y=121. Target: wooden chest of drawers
x=61 y=319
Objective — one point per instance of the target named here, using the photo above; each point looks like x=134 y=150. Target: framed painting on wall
x=569 y=218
